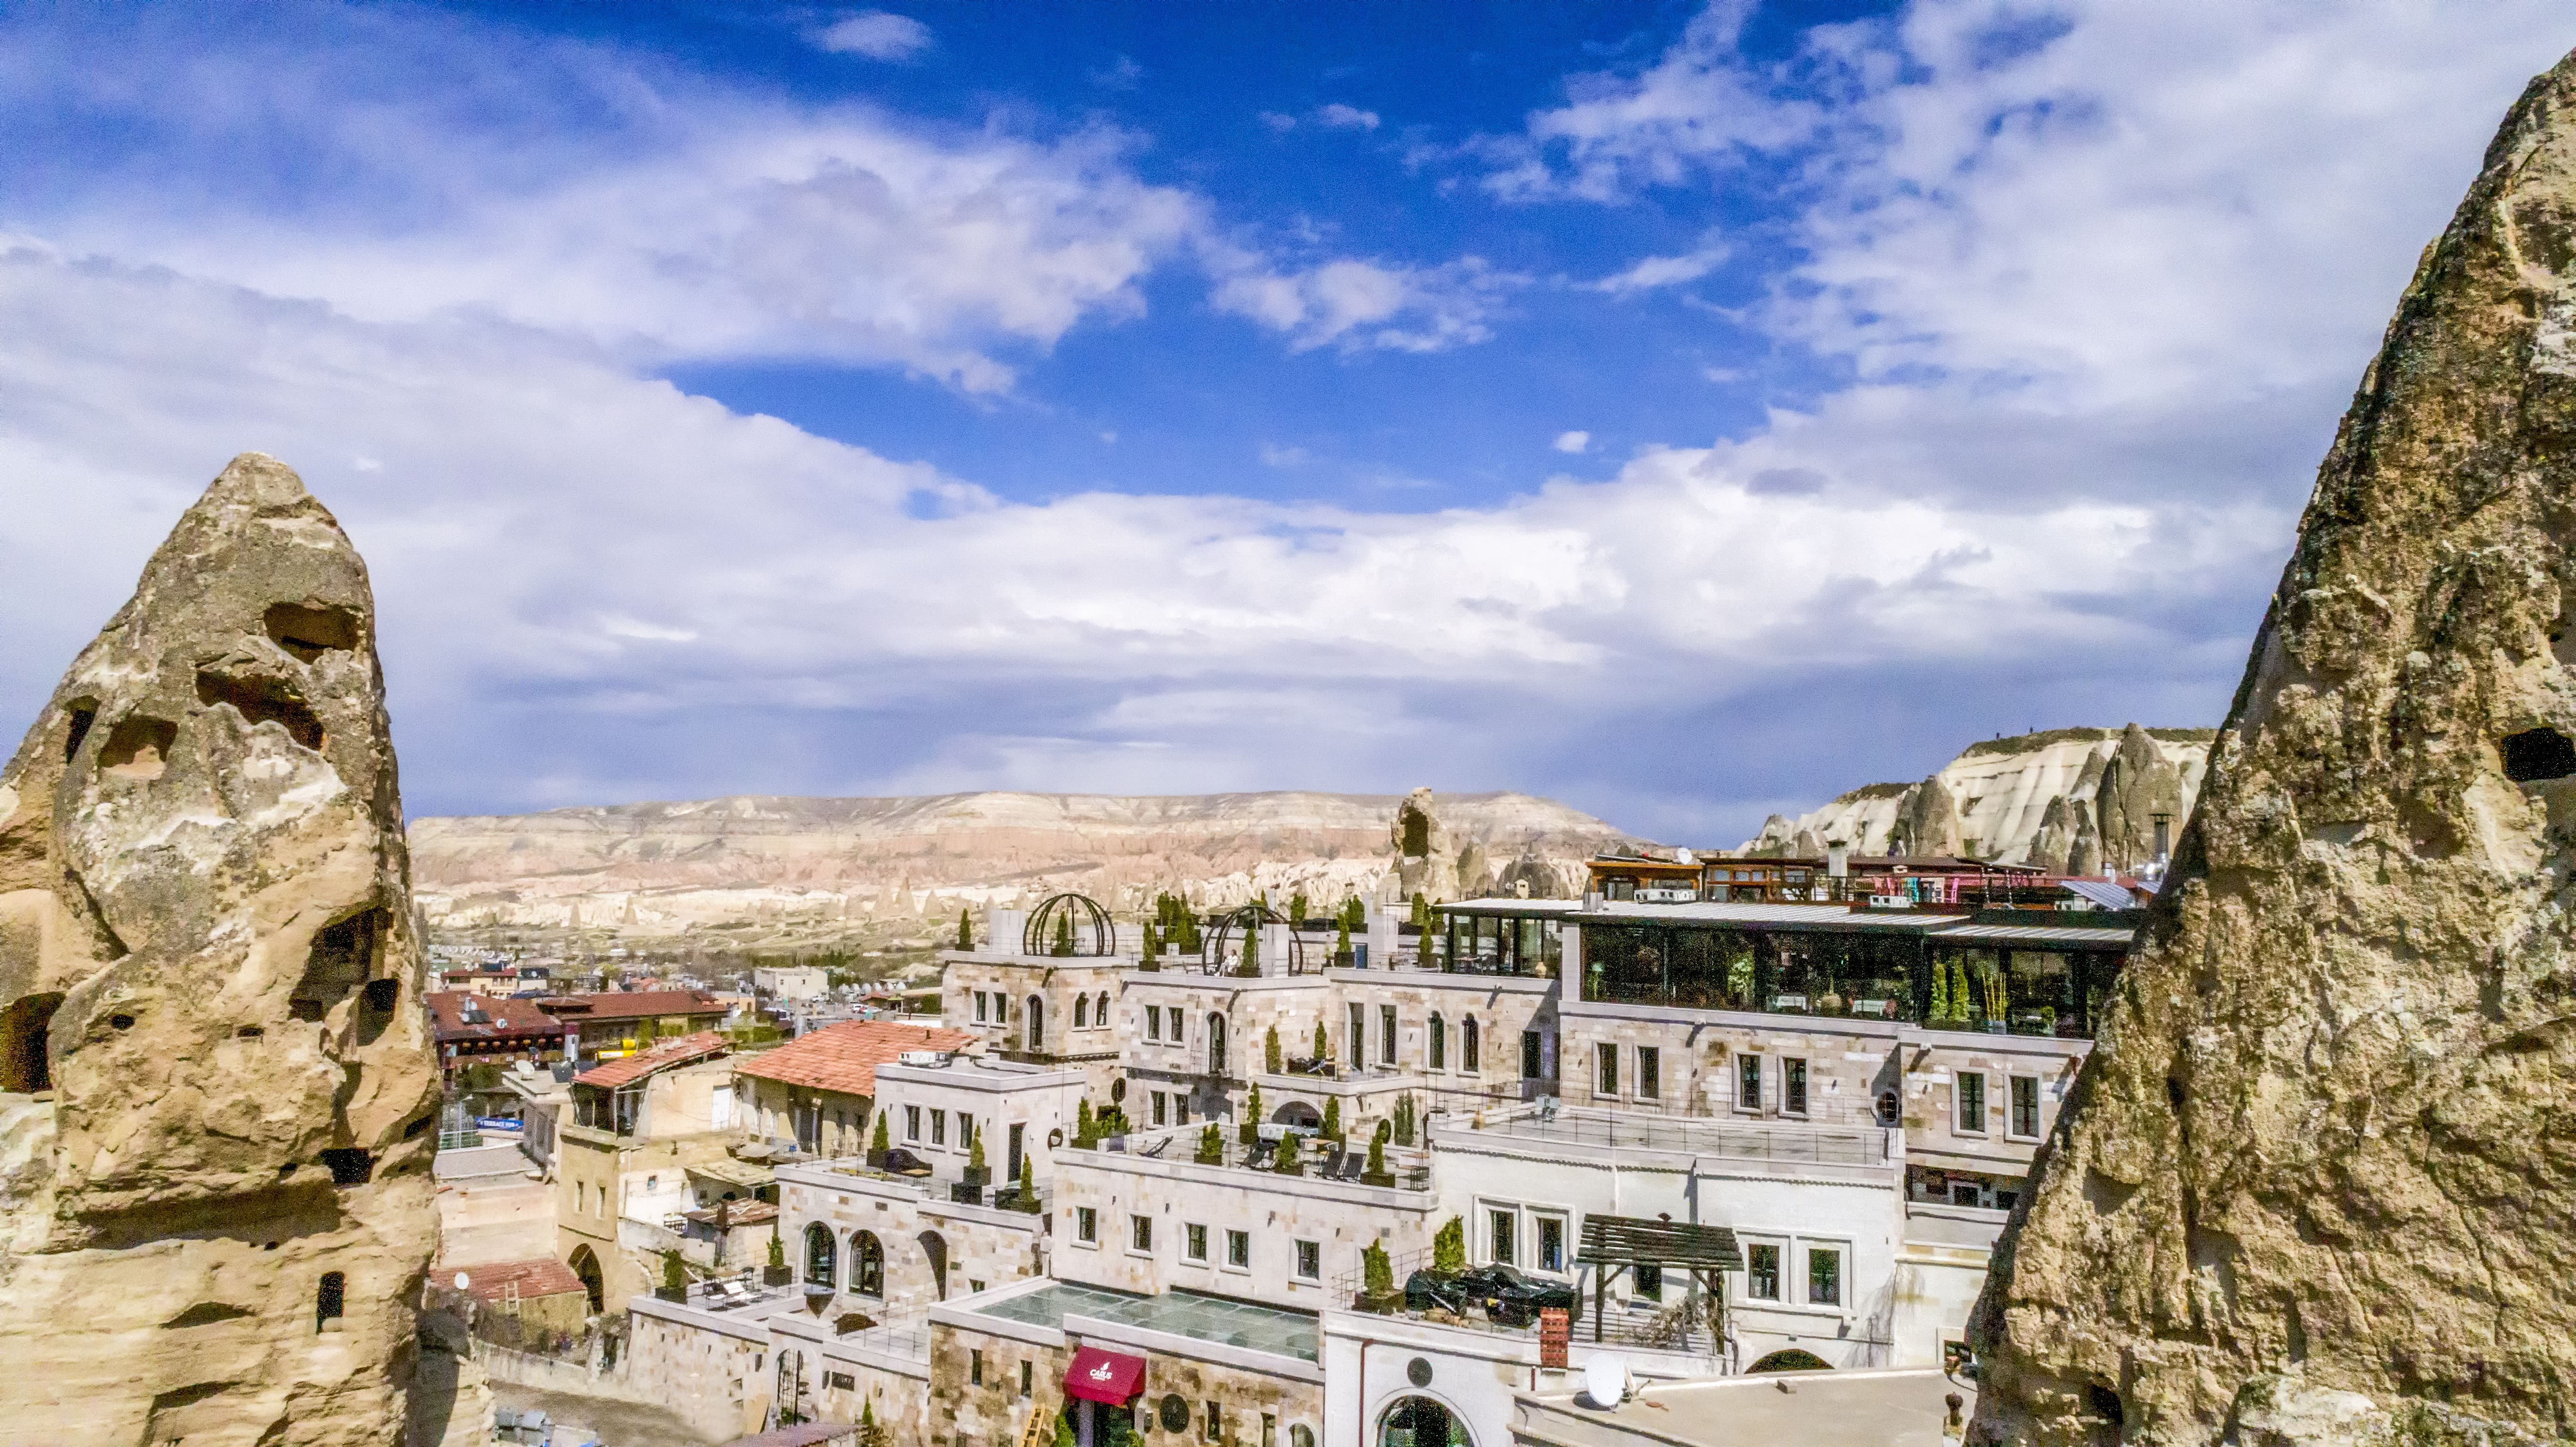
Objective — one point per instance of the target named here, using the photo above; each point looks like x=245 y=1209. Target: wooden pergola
x=1612 y=1244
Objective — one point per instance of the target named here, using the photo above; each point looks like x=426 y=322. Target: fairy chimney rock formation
x=1928 y=827
x=2313 y=1186
x=221 y=1093
x=1426 y=862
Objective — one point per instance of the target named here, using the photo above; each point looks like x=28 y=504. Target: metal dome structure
x=1085 y=927
x=1249 y=919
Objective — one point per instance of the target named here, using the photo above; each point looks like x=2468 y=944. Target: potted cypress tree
x=976 y=1174
x=1289 y=1160
x=675 y=1278
x=1449 y=1248
x=1377 y=1280
x=1333 y=1118
x=1250 y=1131
x=777 y=1272
x=1376 y=1173
x=1211 y=1146
x=1270 y=1051
x=878 y=1144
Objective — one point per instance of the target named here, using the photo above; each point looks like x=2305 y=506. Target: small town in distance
x=1296 y=1172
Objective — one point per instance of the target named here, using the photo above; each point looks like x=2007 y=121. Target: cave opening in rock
x=138 y=747
x=2537 y=754
x=83 y=712
x=330 y=1300
x=308 y=632
x=26 y=1066
x=263 y=700
x=349 y=1165
x=2104 y=1403
x=342 y=959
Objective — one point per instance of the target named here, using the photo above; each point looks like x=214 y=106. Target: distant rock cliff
x=811 y=868
x=2073 y=800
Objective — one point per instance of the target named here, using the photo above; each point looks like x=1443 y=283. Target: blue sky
x=1685 y=411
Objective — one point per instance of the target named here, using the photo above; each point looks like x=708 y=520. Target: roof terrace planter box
x=966 y=1193
x=777 y=1275
x=677 y=1295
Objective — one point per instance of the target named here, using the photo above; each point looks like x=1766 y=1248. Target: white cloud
x=1276 y=456
x=1278 y=122
x=1653 y=273
x=1340 y=117
x=875 y=34
x=1573 y=441
x=1369 y=305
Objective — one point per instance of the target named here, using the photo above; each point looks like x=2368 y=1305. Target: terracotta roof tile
x=543 y=1276
x=500 y=1017
x=845 y=1057
x=655 y=1057
x=633 y=1004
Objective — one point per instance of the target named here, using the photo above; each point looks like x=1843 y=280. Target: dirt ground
x=615 y=1424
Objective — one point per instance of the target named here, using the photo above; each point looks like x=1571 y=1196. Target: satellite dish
x=463 y=1281
x=1605 y=1381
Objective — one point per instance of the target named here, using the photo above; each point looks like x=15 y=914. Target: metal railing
x=1682 y=1135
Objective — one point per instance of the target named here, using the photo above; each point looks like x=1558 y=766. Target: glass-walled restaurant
x=1959 y=973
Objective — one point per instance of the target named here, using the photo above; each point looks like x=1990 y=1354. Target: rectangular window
x=1140 y=1233
x=1650 y=1072
x=1019 y=1151
x=1468 y=1045
x=1359 y=1036
x=1649 y=1280
x=1238 y=1250
x=939 y=1127
x=912 y=1122
x=1028 y=1376
x=1162 y=1109
x=1498 y=1237
x=1609 y=1064
x=965 y=1131
x=1386 y=1034
x=983 y=1004
x=1310 y=1261
x=1269 y=1430
x=1439 y=1043
x=1748 y=1082
x=1970 y=1089
x=1793 y=1086
x=1153 y=1022
x=1761 y=1273
x=975 y=1368
x=1086 y=1224
x=2025 y=1105
x=1214 y=1427
x=1551 y=1243
x=1194 y=1242
x=1529 y=1055
x=839 y=1382
x=1824 y=1276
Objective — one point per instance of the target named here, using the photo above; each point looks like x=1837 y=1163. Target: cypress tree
x=965 y=931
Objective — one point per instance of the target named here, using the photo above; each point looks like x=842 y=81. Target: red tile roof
x=634 y=1004
x=845 y=1057
x=501 y=1018
x=544 y=1276
x=655 y=1057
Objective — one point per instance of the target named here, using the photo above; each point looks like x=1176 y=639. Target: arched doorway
x=1421 y=1422
x=1035 y=1015
x=867 y=1269
x=1791 y=1359
x=1216 y=1043
x=822 y=1256
x=25 y=1065
x=1297 y=1113
x=936 y=1249
x=586 y=1266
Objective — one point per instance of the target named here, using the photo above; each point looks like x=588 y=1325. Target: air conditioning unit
x=923 y=1057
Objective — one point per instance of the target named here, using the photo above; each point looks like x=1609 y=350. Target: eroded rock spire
x=221 y=1094
x=2314 y=1185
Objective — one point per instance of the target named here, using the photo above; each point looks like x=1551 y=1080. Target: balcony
x=1320 y=1162
x=1688 y=1136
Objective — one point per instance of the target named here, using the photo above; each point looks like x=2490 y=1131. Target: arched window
x=586 y=1266
x=1082 y=1012
x=1215 y=1043
x=1100 y=1011
x=867 y=1272
x=822 y=1255
x=1035 y=1018
x=936 y=1249
x=329 y=1301
x=1301 y=1435
x=1421 y=1422
x=1439 y=1044
x=1467 y=1044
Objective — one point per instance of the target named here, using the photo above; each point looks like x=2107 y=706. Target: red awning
x=1100 y=1376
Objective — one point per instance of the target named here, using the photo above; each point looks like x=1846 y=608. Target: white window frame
x=1646 y=1072
x=1139 y=1223
x=1842 y=1273
x=1754 y=1105
x=912 y=1124
x=983 y=1008
x=1788 y=1263
x=2038 y=1108
x=1198 y=1256
x=1486 y=1211
x=1086 y=1227
x=1959 y=1103
x=1539 y=1221
x=1300 y=1252
x=1806 y=1104
x=1232 y=1237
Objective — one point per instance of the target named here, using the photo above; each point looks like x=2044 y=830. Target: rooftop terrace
x=1180 y=1313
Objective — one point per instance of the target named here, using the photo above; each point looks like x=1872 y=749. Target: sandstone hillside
x=2029 y=798
x=778 y=870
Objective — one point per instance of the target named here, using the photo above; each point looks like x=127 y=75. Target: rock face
x=2315 y=1185
x=2002 y=794
x=215 y=1204
x=782 y=869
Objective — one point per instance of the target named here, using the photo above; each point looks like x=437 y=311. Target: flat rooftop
x=1904 y=1408
x=1772 y=1141
x=1181 y=1313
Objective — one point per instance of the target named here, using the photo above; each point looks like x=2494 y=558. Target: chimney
x=1837 y=859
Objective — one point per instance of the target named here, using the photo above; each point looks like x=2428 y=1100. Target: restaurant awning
x=1104 y=1376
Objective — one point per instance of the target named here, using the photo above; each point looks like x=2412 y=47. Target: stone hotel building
x=1726 y=1134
